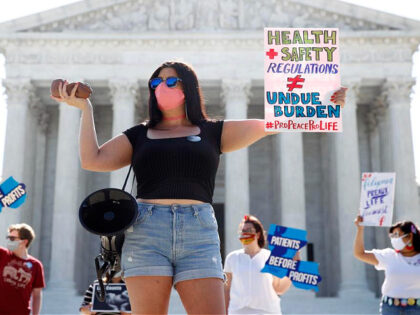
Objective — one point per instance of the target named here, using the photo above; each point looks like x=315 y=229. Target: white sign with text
x=377 y=198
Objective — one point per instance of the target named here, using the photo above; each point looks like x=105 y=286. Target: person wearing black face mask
x=21 y=275
x=401 y=288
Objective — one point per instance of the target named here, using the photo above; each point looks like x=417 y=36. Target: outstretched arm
x=238 y=134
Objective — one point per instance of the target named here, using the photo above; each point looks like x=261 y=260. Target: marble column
x=401 y=141
x=374 y=119
x=66 y=200
x=123 y=95
x=42 y=120
x=19 y=93
x=346 y=146
x=235 y=94
x=374 y=116
x=292 y=181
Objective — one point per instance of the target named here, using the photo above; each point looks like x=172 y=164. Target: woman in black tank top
x=175 y=155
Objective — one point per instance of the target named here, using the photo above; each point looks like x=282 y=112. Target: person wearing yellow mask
x=247 y=289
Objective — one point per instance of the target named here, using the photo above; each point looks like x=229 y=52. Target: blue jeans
x=175 y=240
x=385 y=309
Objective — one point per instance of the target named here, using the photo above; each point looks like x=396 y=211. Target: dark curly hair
x=409 y=227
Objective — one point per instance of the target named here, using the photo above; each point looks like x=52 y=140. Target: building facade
x=303 y=180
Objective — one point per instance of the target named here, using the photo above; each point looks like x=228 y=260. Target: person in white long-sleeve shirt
x=248 y=290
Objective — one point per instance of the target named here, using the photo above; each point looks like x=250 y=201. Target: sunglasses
x=247 y=231
x=12 y=238
x=170 y=82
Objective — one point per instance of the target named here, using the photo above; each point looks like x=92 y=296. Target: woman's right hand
x=71 y=99
x=357 y=221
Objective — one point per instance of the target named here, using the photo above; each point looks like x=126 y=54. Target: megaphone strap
x=128 y=174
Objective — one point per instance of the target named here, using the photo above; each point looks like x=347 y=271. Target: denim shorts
x=175 y=240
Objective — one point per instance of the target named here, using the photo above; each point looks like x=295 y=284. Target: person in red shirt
x=21 y=275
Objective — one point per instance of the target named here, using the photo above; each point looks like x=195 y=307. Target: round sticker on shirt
x=28 y=264
x=194 y=138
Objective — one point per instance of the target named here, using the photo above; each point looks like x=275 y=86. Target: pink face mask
x=169 y=98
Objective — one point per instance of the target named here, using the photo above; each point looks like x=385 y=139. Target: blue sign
x=12 y=193
x=284 y=242
x=116 y=298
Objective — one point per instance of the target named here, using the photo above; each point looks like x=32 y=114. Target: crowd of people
x=246 y=289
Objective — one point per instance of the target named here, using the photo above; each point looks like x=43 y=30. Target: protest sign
x=377 y=198
x=116 y=298
x=12 y=193
x=284 y=242
x=301 y=72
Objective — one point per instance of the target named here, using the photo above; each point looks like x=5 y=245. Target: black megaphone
x=109 y=211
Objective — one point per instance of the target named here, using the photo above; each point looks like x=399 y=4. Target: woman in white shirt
x=248 y=290
x=401 y=288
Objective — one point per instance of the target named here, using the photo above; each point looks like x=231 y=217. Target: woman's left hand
x=297 y=256
x=339 y=97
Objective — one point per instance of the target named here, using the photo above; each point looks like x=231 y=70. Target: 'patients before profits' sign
x=284 y=242
x=301 y=72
